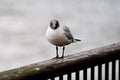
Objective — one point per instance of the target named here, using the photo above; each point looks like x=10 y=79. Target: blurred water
x=23 y=24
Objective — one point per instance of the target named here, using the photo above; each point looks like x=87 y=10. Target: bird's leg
x=57 y=52
x=63 y=52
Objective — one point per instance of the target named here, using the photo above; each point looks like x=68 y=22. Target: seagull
x=60 y=36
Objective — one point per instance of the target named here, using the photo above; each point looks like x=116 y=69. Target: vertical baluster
x=100 y=72
x=69 y=76
x=92 y=73
x=52 y=78
x=106 y=70
x=85 y=74
x=113 y=70
x=61 y=77
x=119 y=70
x=77 y=76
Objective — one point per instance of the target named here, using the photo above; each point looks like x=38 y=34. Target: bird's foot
x=62 y=57
x=58 y=57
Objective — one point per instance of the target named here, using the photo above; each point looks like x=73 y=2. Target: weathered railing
x=106 y=59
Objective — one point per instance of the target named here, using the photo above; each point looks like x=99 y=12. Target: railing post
x=61 y=77
x=100 y=72
x=69 y=76
x=85 y=74
x=92 y=73
x=119 y=70
x=113 y=70
x=107 y=71
x=77 y=75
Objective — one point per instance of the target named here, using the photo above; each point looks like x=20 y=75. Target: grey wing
x=66 y=29
x=69 y=36
x=68 y=33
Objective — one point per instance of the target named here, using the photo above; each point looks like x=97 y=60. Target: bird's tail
x=76 y=40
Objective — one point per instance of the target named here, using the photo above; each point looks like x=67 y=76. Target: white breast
x=57 y=37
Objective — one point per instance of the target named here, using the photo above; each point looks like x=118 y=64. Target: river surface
x=23 y=24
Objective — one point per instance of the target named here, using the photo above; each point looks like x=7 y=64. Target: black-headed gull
x=59 y=35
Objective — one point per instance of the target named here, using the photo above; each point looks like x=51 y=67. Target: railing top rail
x=70 y=63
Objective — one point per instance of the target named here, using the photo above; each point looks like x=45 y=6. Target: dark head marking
x=54 y=24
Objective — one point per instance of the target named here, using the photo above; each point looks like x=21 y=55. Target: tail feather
x=76 y=40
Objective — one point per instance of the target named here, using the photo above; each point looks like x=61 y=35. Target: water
x=23 y=24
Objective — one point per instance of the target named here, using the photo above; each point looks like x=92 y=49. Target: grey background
x=23 y=24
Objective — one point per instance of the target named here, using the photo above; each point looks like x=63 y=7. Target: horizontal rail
x=56 y=67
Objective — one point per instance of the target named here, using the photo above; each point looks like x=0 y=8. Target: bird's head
x=54 y=24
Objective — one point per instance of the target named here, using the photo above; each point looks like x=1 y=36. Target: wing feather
x=66 y=29
x=68 y=33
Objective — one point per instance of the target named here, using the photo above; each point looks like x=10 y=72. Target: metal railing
x=97 y=64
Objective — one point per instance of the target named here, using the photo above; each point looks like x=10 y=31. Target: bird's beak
x=54 y=25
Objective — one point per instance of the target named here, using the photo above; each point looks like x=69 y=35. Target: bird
x=60 y=36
